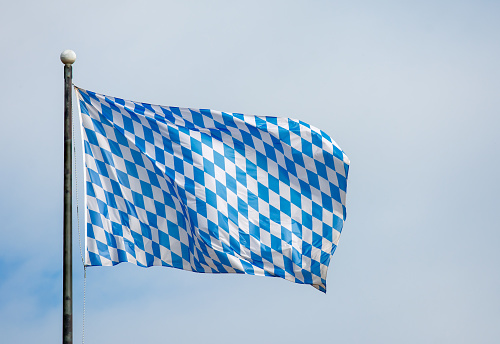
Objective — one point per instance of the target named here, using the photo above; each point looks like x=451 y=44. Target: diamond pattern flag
x=210 y=191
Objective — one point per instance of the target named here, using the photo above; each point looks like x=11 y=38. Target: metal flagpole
x=67 y=57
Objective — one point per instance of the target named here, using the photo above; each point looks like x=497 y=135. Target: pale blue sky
x=409 y=90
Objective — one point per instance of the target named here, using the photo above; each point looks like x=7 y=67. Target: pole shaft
x=67 y=235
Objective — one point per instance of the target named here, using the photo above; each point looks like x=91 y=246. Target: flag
x=209 y=191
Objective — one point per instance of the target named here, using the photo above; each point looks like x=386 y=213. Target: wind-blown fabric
x=210 y=191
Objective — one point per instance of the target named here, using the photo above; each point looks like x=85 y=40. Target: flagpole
x=67 y=57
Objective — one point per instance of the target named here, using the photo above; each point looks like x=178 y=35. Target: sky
x=408 y=89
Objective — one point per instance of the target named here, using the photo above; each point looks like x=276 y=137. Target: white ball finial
x=68 y=57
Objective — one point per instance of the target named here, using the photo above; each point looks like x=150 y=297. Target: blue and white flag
x=210 y=191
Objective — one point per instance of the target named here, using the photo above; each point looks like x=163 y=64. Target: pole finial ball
x=68 y=57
